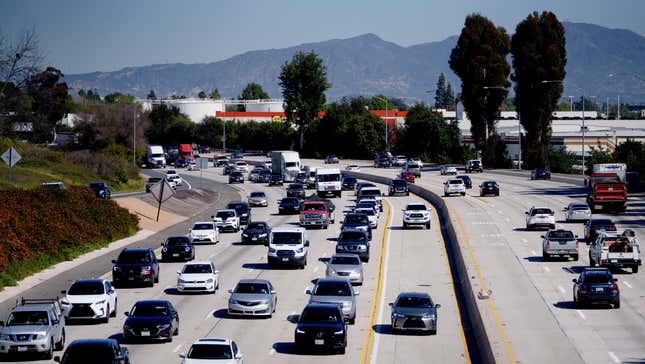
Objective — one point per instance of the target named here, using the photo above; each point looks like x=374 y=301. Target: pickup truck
x=607 y=191
x=559 y=242
x=316 y=213
x=613 y=249
x=34 y=326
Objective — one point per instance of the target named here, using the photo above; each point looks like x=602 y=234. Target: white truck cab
x=288 y=245
x=328 y=182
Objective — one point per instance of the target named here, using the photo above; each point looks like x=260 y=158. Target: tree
x=93 y=95
x=450 y=98
x=50 y=102
x=539 y=54
x=215 y=95
x=117 y=97
x=590 y=104
x=168 y=126
x=440 y=93
x=479 y=59
x=151 y=95
x=253 y=91
x=20 y=59
x=304 y=82
x=201 y=95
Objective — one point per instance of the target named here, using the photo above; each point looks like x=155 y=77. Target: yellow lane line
x=368 y=340
x=484 y=286
x=445 y=256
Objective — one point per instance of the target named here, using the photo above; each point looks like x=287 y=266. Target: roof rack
x=55 y=302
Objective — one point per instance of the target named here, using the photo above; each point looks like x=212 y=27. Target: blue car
x=101 y=189
x=181 y=163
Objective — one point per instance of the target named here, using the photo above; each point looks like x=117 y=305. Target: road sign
x=11 y=157
x=202 y=163
x=162 y=191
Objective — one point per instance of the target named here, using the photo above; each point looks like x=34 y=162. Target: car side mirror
x=391 y=304
x=161 y=244
x=182 y=355
x=576 y=236
x=273 y=291
x=126 y=313
x=438 y=305
x=308 y=291
x=307 y=243
x=615 y=279
x=178 y=272
x=63 y=292
x=216 y=271
x=574 y=280
x=1 y=323
x=212 y=216
x=55 y=322
x=230 y=291
x=113 y=261
x=526 y=212
x=239 y=356
x=542 y=236
x=119 y=357
x=357 y=293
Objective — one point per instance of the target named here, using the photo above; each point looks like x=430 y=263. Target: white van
x=328 y=182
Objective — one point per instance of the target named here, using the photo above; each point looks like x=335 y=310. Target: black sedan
x=296 y=190
x=177 y=248
x=596 y=285
x=151 y=320
x=467 y=181
x=320 y=327
x=256 y=232
x=489 y=188
x=101 y=189
x=181 y=163
x=242 y=209
x=289 y=205
x=236 y=177
x=349 y=182
x=540 y=173
x=276 y=180
x=106 y=351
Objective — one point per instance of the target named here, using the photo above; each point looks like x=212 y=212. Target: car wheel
x=113 y=313
x=591 y=262
x=575 y=257
x=352 y=320
x=433 y=332
x=545 y=256
x=617 y=304
x=428 y=226
x=49 y=354
x=157 y=278
x=106 y=319
x=176 y=333
x=61 y=344
x=634 y=269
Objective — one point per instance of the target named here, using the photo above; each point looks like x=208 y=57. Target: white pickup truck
x=613 y=249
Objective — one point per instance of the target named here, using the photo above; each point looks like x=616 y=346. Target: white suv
x=543 y=217
x=416 y=213
x=89 y=299
x=288 y=245
x=204 y=231
x=448 y=169
x=227 y=220
x=172 y=175
x=215 y=350
x=454 y=186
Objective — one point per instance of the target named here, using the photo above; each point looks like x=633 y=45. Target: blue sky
x=85 y=36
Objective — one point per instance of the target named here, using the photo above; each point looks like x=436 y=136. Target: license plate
x=599 y=289
x=22 y=348
x=614 y=261
x=319 y=342
x=254 y=239
x=175 y=255
x=145 y=333
x=131 y=278
x=285 y=259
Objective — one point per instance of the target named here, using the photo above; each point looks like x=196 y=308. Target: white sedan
x=198 y=276
x=205 y=231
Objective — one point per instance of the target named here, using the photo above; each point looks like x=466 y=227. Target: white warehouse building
x=198 y=109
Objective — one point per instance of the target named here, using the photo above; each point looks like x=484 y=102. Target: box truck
x=285 y=163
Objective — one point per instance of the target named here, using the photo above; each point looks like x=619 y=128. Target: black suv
x=301 y=178
x=276 y=180
x=242 y=209
x=236 y=177
x=467 y=181
x=151 y=320
x=135 y=265
x=289 y=205
x=349 y=182
x=256 y=232
x=357 y=221
x=296 y=190
x=354 y=242
x=596 y=285
x=101 y=189
x=489 y=188
x=177 y=248
x=264 y=176
x=105 y=351
x=321 y=326
x=398 y=186
x=540 y=173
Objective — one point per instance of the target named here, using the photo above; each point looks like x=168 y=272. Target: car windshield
x=328 y=177
x=352 y=236
x=149 y=310
x=209 y=351
x=333 y=289
x=295 y=186
x=79 y=354
x=134 y=257
x=177 y=240
x=370 y=192
x=489 y=184
x=258 y=194
x=416 y=208
x=237 y=206
x=541 y=212
x=198 y=268
x=225 y=214
x=355 y=219
x=354 y=260
x=203 y=227
x=399 y=183
x=28 y=318
x=456 y=182
x=97 y=185
x=602 y=223
x=320 y=315
x=287 y=238
x=366 y=211
x=313 y=207
x=597 y=278
x=561 y=234
x=291 y=164
x=412 y=301
x=251 y=288
x=289 y=201
x=86 y=288
x=257 y=225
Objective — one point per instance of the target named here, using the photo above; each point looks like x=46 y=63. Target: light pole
x=429 y=92
x=386 y=124
x=134 y=136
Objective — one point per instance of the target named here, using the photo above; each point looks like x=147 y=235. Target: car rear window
x=352 y=219
x=134 y=257
x=203 y=227
x=541 y=212
x=79 y=354
x=210 y=352
x=370 y=192
x=561 y=234
x=597 y=278
x=320 y=315
x=456 y=182
x=257 y=194
x=602 y=223
x=580 y=207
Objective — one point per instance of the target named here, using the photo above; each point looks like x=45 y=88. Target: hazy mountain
x=369 y=65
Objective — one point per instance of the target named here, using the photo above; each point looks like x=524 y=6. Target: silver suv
x=252 y=297
x=336 y=291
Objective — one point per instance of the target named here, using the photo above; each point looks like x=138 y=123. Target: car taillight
x=614 y=287
x=552 y=213
x=548 y=244
x=577 y=244
x=611 y=228
x=146 y=270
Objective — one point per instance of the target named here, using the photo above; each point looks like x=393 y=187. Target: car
x=151 y=320
x=101 y=190
x=296 y=190
x=227 y=219
x=407 y=176
x=257 y=198
x=397 y=186
x=242 y=166
x=228 y=169
x=559 y=242
x=268 y=164
x=354 y=241
x=276 y=180
x=321 y=326
x=414 y=311
x=374 y=192
x=577 y=211
x=594 y=226
x=359 y=185
x=171 y=182
x=416 y=213
x=317 y=213
x=104 y=351
x=256 y=232
x=242 y=209
x=488 y=188
x=152 y=181
x=89 y=299
x=448 y=169
x=367 y=203
x=372 y=215
x=454 y=186
x=400 y=160
x=204 y=232
x=348 y=183
x=615 y=250
x=177 y=248
x=192 y=166
x=135 y=265
x=413 y=168
x=176 y=179
x=338 y=291
x=540 y=173
x=596 y=286
x=264 y=176
x=331 y=159
x=34 y=326
x=288 y=245
x=289 y=205
x=198 y=276
x=415 y=160
x=301 y=178
x=212 y=350
x=474 y=165
x=467 y=181
x=353 y=167
x=237 y=154
x=540 y=217
x=383 y=161
x=349 y=266
x=221 y=161
x=252 y=297
x=357 y=221
x=204 y=149
x=236 y=177
x=255 y=174
x=181 y=163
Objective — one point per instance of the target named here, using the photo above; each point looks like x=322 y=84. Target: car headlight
x=164 y=249
x=245 y=235
x=347 y=304
x=163 y=326
x=354 y=274
x=210 y=280
x=428 y=316
x=5 y=337
x=397 y=315
x=40 y=336
x=298 y=331
x=116 y=269
x=99 y=302
x=271 y=250
x=300 y=250
x=232 y=301
x=339 y=332
x=264 y=235
x=187 y=249
x=331 y=271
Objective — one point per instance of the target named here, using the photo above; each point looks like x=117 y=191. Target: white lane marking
x=613 y=357
x=561 y=289
x=189 y=186
x=533 y=252
x=582 y=315
x=500 y=212
x=316 y=269
x=210 y=257
x=176 y=349
x=507 y=219
x=627 y=284
x=381 y=310
x=272 y=352
x=546 y=269
x=524 y=240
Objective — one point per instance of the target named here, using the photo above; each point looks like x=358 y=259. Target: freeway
x=530 y=316
x=402 y=260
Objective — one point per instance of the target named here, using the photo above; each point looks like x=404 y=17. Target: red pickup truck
x=607 y=191
x=316 y=213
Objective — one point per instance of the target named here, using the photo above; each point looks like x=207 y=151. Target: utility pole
x=607 y=110
x=134 y=136
x=570 y=103
x=583 y=135
x=618 y=109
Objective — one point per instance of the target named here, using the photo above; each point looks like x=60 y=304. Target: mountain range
x=602 y=62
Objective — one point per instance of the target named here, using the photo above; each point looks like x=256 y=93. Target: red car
x=407 y=176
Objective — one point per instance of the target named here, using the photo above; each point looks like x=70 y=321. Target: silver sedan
x=414 y=311
x=348 y=266
x=577 y=211
x=252 y=297
x=258 y=199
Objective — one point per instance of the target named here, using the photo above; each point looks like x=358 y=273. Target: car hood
x=177 y=248
x=345 y=267
x=153 y=320
x=196 y=276
x=320 y=325
x=90 y=298
x=24 y=329
x=331 y=299
x=251 y=296
x=254 y=231
x=204 y=361
x=202 y=232
x=413 y=311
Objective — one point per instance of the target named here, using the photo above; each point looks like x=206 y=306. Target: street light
x=386 y=124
